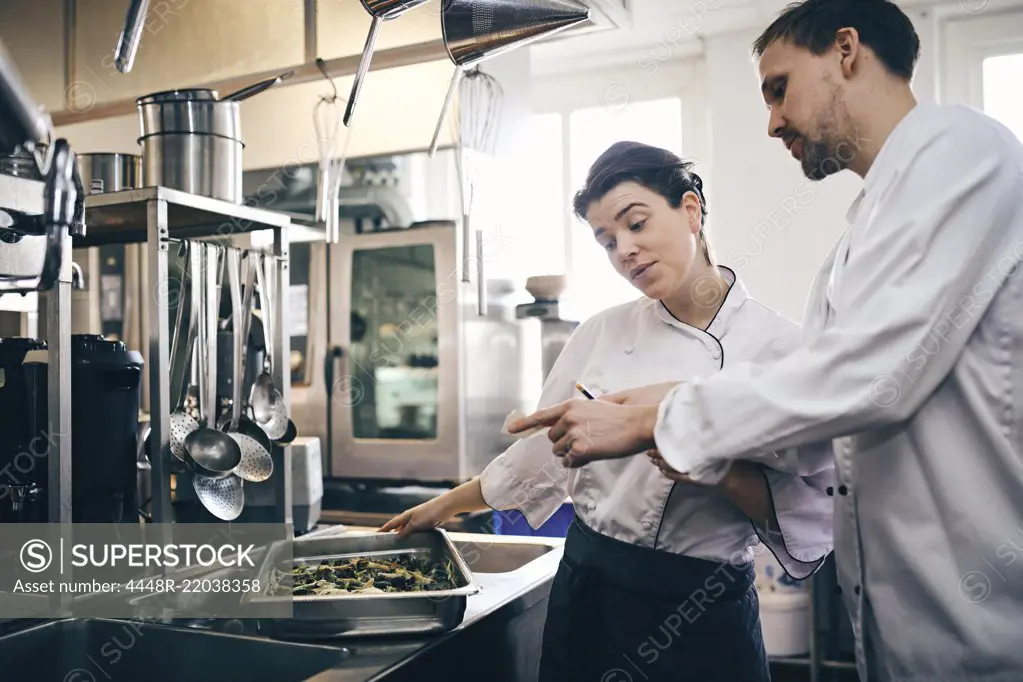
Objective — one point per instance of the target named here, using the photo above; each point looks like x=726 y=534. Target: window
x=542 y=169
x=593 y=283
x=1002 y=98
x=982 y=65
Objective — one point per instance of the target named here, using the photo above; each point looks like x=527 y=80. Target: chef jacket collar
x=734 y=298
x=873 y=175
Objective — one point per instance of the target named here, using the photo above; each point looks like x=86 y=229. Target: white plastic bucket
x=785 y=621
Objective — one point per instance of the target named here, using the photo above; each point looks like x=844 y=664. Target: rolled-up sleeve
x=527 y=477
x=920 y=274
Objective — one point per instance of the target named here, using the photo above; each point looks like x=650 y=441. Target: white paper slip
x=519 y=414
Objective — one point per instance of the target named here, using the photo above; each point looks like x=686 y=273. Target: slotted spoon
x=222 y=497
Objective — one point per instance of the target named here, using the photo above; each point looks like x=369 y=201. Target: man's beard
x=836 y=144
x=822 y=158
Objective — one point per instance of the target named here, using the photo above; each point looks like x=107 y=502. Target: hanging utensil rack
x=157 y=217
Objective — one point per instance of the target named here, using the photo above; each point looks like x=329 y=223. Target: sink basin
x=498 y=556
x=114 y=651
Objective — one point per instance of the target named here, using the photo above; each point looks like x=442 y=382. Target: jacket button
x=842 y=490
x=830 y=491
x=857 y=590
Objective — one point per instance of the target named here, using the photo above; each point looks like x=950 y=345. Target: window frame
x=968 y=41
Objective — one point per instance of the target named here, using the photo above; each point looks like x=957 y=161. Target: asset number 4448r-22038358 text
x=199 y=585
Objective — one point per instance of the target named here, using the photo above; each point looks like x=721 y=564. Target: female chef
x=657 y=583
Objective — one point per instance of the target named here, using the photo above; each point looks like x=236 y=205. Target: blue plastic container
x=514 y=523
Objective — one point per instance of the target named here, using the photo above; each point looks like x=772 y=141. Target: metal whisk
x=479 y=116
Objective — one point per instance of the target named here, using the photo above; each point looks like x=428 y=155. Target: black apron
x=622 y=613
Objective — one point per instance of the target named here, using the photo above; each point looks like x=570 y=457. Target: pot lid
x=189 y=95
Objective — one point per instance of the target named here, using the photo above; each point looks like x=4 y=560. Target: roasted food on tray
x=402 y=573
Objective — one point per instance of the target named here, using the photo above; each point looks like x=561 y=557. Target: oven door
x=394 y=385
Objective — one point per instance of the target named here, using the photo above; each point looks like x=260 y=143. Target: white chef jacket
x=629 y=499
x=913 y=364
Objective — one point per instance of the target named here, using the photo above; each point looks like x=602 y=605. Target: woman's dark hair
x=813 y=25
x=657 y=169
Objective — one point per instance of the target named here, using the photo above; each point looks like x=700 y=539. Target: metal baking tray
x=368 y=614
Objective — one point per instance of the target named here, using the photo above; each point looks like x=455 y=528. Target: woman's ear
x=694 y=211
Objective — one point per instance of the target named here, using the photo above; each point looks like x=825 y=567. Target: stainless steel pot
x=189 y=111
x=109 y=172
x=191 y=140
x=206 y=165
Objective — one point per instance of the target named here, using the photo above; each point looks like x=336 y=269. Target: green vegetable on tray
x=405 y=573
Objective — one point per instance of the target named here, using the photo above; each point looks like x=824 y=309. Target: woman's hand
x=666 y=470
x=425 y=516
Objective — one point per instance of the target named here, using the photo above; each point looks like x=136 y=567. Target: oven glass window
x=394 y=343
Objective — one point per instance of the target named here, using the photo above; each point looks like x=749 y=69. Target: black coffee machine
x=105 y=396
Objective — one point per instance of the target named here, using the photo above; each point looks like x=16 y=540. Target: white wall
x=767 y=220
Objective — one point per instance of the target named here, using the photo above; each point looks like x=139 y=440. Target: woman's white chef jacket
x=914 y=366
x=640 y=343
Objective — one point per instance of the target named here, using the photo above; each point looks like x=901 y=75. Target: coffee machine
x=105 y=393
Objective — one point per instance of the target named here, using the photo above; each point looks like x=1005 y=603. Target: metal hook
x=322 y=66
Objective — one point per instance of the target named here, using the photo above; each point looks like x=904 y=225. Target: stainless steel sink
x=499 y=555
x=78 y=650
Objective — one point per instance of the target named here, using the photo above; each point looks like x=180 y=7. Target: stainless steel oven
x=393 y=369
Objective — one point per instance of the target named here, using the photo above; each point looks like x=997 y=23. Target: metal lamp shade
x=380 y=10
x=475 y=30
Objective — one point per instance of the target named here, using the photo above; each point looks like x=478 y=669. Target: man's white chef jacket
x=913 y=365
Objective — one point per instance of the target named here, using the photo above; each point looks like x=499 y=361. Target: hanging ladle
x=268 y=408
x=257 y=464
x=181 y=422
x=210 y=452
x=246 y=425
x=380 y=10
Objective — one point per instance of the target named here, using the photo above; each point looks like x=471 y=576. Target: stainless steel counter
x=514 y=574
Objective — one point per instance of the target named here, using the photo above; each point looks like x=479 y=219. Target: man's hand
x=587 y=430
x=644 y=395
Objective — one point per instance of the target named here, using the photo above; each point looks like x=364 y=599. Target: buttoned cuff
x=677 y=436
x=537 y=500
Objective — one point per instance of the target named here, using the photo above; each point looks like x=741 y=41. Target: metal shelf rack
x=155 y=216
x=815 y=661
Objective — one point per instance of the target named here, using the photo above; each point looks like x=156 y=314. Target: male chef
x=913 y=355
